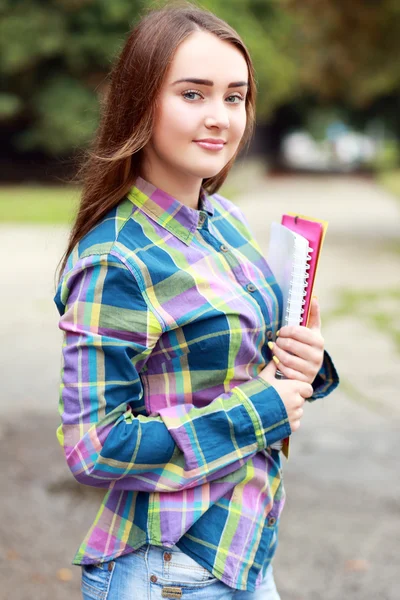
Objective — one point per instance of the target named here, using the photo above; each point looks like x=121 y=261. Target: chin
x=208 y=172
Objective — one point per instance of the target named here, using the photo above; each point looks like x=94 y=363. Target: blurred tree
x=55 y=57
x=347 y=50
x=267 y=32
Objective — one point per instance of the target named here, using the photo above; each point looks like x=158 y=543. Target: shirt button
x=251 y=287
x=167 y=556
x=270 y=335
x=271 y=521
x=202 y=218
x=153 y=579
x=224 y=248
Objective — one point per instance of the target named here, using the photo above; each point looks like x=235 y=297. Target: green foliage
x=66 y=116
x=55 y=56
x=347 y=50
x=266 y=30
x=10 y=105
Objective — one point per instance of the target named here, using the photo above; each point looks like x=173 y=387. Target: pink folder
x=314 y=232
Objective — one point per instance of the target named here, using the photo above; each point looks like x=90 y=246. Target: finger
x=306 y=390
x=314 y=320
x=294 y=425
x=292 y=374
x=310 y=353
x=302 y=334
x=308 y=368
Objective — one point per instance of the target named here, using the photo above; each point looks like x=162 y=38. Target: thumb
x=314 y=321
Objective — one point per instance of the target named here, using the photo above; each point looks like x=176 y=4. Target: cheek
x=177 y=120
x=238 y=124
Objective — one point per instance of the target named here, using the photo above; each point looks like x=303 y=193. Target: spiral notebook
x=293 y=255
x=313 y=230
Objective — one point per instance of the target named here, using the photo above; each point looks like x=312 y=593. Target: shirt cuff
x=267 y=411
x=326 y=380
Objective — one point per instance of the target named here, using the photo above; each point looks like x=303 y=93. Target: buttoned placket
x=237 y=271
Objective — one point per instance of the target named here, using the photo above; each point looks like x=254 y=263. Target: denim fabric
x=155 y=573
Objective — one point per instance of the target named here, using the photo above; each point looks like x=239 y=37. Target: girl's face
x=194 y=110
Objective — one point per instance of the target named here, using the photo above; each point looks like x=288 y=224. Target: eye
x=239 y=96
x=195 y=92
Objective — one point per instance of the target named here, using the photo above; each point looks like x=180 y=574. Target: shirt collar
x=167 y=211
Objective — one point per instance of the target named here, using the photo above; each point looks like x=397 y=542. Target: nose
x=218 y=116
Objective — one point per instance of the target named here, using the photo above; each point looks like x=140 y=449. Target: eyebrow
x=209 y=82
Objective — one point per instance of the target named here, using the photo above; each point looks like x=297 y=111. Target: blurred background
x=326 y=145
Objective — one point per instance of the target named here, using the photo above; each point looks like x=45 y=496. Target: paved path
x=340 y=527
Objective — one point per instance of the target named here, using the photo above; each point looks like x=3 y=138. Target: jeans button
x=167 y=556
x=153 y=578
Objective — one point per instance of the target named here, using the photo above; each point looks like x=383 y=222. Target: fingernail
x=270 y=345
x=275 y=359
x=277 y=333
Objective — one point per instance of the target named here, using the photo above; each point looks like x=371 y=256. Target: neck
x=186 y=191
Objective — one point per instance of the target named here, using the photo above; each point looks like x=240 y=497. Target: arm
x=109 y=331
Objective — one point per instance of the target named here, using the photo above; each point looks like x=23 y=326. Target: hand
x=299 y=350
x=292 y=393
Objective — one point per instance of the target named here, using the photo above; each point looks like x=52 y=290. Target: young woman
x=169 y=311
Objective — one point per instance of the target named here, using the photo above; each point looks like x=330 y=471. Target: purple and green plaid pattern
x=166 y=313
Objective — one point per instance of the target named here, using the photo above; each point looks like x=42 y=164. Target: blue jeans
x=154 y=573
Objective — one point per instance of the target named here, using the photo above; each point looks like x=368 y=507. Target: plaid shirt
x=166 y=313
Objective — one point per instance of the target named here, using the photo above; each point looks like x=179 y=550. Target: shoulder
x=103 y=238
x=105 y=234
x=225 y=206
x=233 y=213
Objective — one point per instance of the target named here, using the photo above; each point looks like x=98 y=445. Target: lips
x=213 y=145
x=212 y=141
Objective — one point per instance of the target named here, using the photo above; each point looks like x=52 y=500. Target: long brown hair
x=111 y=163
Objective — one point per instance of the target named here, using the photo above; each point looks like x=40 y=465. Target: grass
x=38 y=204
x=390 y=180
x=376 y=308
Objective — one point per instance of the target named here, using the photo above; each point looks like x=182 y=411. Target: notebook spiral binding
x=298 y=281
